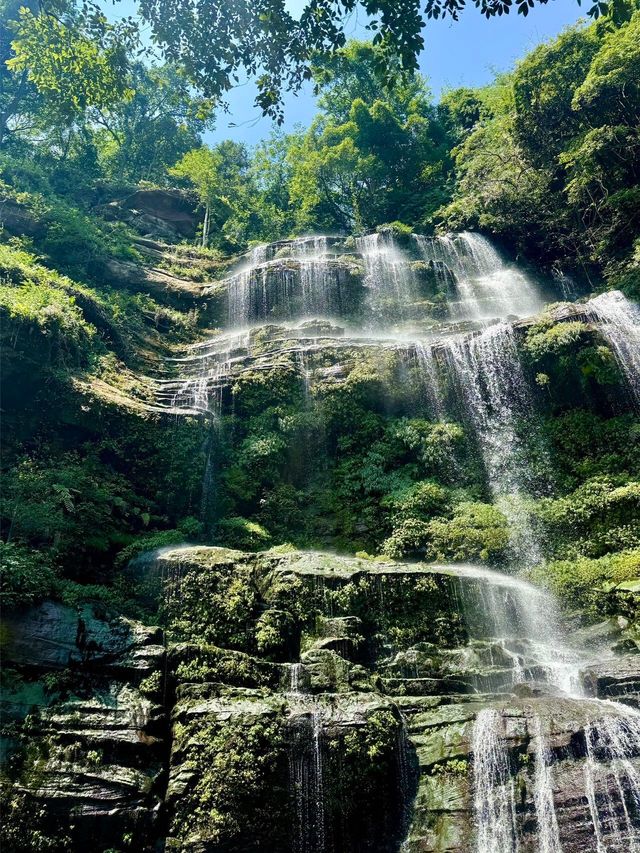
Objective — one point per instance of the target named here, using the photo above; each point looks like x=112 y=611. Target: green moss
x=547 y=338
x=236 y=795
x=243 y=534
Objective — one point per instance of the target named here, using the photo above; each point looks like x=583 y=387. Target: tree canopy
x=218 y=40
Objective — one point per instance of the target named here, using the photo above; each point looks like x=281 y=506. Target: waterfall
x=516 y=624
x=495 y=395
x=302 y=282
x=426 y=360
x=306 y=782
x=612 y=783
x=548 y=833
x=483 y=286
x=494 y=798
x=525 y=620
x=306 y=770
x=314 y=247
x=318 y=779
x=205 y=370
x=389 y=279
x=530 y=620
x=294 y=678
x=618 y=320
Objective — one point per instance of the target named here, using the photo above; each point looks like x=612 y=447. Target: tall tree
x=372 y=155
x=201 y=168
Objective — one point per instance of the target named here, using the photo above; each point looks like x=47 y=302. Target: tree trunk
x=205 y=227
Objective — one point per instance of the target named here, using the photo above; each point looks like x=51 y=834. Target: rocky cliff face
x=389 y=395
x=303 y=701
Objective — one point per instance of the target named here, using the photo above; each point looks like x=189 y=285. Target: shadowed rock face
x=164 y=214
x=315 y=702
x=90 y=752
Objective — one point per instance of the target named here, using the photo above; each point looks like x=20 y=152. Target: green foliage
x=474 y=531
x=217 y=48
x=67 y=65
x=213 y=604
x=236 y=788
x=596 y=518
x=71 y=240
x=584 y=582
x=610 y=91
x=550 y=157
x=551 y=339
x=190 y=529
x=27 y=577
x=543 y=86
x=71 y=503
x=586 y=445
x=32 y=305
x=245 y=535
x=371 y=156
x=137 y=138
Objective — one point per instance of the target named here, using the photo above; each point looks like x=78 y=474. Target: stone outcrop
x=159 y=213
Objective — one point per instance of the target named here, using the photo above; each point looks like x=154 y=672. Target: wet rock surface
x=308 y=702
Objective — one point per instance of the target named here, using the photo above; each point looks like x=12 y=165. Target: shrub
x=245 y=535
x=582 y=582
x=27 y=576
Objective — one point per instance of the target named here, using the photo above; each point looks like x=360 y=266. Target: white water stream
x=483 y=286
x=619 y=321
x=528 y=623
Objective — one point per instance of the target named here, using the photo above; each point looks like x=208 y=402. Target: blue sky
x=463 y=53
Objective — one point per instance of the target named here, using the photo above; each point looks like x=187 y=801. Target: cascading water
x=549 y=835
x=300 y=278
x=528 y=624
x=482 y=287
x=389 y=280
x=525 y=620
x=612 y=783
x=494 y=802
x=204 y=369
x=425 y=358
x=306 y=782
x=495 y=396
x=618 y=320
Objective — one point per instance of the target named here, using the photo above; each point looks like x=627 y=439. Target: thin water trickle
x=494 y=799
x=494 y=393
x=618 y=319
x=548 y=833
x=295 y=676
